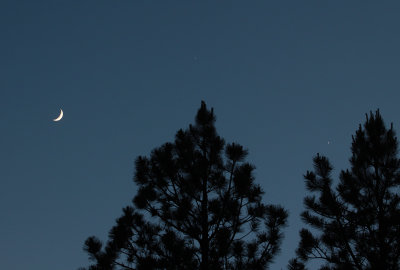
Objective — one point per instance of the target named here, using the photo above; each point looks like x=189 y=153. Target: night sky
x=283 y=78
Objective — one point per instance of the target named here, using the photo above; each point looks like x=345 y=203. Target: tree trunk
x=204 y=225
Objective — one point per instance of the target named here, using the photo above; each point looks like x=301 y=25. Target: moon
x=59 y=117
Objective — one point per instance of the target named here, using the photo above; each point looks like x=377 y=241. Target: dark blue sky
x=284 y=78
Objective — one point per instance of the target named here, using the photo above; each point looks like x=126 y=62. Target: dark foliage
x=195 y=209
x=359 y=220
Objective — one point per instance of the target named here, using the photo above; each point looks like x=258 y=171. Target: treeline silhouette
x=198 y=207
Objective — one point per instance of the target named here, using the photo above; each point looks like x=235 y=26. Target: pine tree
x=195 y=209
x=359 y=220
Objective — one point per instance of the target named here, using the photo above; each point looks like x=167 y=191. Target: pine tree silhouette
x=195 y=209
x=359 y=220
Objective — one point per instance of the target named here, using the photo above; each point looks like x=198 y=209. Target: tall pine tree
x=196 y=208
x=359 y=220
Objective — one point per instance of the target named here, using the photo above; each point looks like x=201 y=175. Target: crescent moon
x=59 y=117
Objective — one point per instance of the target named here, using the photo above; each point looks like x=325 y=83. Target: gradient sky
x=284 y=78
